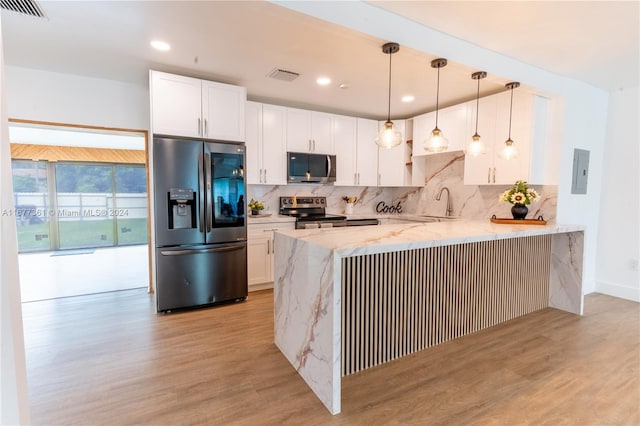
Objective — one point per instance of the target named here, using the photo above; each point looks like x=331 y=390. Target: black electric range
x=310 y=212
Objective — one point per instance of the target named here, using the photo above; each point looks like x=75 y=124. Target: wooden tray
x=538 y=221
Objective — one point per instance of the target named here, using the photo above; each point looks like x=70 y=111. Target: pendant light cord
x=389 y=97
x=510 y=113
x=477 y=105
x=437 y=97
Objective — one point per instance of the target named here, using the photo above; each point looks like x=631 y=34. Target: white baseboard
x=618 y=290
x=258 y=287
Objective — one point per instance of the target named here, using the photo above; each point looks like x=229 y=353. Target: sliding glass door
x=68 y=205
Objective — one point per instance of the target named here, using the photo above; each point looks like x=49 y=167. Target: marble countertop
x=269 y=218
x=360 y=240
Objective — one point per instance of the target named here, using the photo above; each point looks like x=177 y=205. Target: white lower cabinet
x=260 y=252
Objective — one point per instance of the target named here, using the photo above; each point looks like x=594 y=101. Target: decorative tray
x=503 y=220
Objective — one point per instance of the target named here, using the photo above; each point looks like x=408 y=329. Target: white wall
x=618 y=233
x=73 y=99
x=585 y=114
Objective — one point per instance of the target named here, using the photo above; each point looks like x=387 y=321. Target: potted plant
x=520 y=195
x=256 y=207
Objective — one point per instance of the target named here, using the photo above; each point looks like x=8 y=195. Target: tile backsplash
x=445 y=170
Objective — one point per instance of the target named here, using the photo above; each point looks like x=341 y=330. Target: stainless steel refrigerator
x=200 y=225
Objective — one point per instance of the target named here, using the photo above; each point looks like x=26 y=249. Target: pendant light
x=475 y=147
x=437 y=142
x=389 y=136
x=509 y=151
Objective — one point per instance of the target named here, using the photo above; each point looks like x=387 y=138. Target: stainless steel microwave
x=303 y=167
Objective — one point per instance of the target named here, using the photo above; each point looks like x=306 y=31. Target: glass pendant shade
x=509 y=151
x=475 y=147
x=436 y=142
x=389 y=136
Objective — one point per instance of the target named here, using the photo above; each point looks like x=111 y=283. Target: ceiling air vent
x=284 y=75
x=26 y=7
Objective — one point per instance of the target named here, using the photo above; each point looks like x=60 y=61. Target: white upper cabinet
x=392 y=162
x=344 y=134
x=309 y=131
x=452 y=121
x=265 y=142
x=176 y=104
x=528 y=130
x=223 y=111
x=185 y=106
x=366 y=153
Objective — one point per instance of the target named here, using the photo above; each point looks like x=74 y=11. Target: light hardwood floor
x=109 y=359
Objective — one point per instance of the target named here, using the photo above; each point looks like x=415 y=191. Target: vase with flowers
x=520 y=195
x=256 y=207
x=350 y=202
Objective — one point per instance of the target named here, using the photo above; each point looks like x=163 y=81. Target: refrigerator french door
x=200 y=226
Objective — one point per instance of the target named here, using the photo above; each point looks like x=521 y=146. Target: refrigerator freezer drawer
x=200 y=275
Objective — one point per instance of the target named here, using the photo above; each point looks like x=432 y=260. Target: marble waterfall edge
x=307 y=316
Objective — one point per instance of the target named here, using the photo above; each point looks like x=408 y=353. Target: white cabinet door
x=223 y=111
x=176 y=105
x=253 y=143
x=274 y=153
x=265 y=143
x=322 y=132
x=259 y=269
x=392 y=161
x=422 y=127
x=493 y=127
x=298 y=130
x=309 y=131
x=507 y=172
x=367 y=153
x=344 y=134
x=453 y=123
x=260 y=251
x=479 y=170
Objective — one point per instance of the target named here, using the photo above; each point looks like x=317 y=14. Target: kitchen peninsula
x=351 y=298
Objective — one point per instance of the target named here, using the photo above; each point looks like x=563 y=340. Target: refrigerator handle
x=209 y=194
x=198 y=251
x=201 y=186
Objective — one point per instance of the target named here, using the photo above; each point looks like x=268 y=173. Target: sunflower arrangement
x=520 y=193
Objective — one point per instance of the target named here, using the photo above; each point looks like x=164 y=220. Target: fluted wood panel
x=69 y=153
x=397 y=303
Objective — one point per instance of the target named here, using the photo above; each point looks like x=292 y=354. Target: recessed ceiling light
x=323 y=81
x=408 y=98
x=160 y=45
x=344 y=85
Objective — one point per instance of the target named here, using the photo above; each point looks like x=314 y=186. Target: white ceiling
x=241 y=42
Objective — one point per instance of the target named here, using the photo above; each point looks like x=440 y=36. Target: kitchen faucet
x=449 y=206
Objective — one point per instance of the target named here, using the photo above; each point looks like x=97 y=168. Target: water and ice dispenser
x=182 y=208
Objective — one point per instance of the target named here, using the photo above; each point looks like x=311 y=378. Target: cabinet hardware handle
x=314 y=145
x=265 y=175
x=358 y=178
x=199 y=126
x=268 y=246
x=489 y=175
x=273 y=247
x=206 y=129
x=494 y=175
